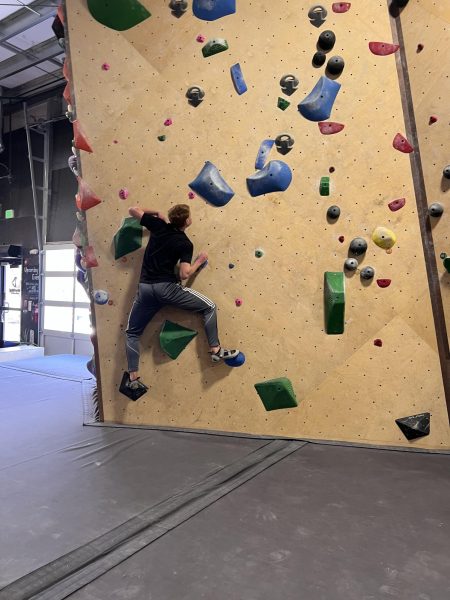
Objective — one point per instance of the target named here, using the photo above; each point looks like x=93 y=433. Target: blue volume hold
x=238 y=79
x=318 y=104
x=210 y=185
x=237 y=361
x=275 y=177
x=263 y=153
x=210 y=10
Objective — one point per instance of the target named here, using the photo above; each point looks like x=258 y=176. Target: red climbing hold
x=81 y=142
x=378 y=342
x=397 y=204
x=191 y=195
x=341 y=239
x=60 y=13
x=66 y=70
x=66 y=94
x=401 y=143
x=383 y=283
x=85 y=198
x=341 y=7
x=89 y=257
x=328 y=127
x=383 y=48
x=432 y=120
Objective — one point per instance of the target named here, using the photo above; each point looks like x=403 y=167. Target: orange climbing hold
x=89 y=257
x=81 y=142
x=66 y=70
x=61 y=13
x=66 y=94
x=401 y=144
x=85 y=198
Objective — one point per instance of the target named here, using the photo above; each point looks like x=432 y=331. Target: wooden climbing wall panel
x=348 y=388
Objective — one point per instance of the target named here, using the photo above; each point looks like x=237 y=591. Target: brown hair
x=179 y=214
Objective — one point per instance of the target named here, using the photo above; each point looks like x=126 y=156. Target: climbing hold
x=284 y=143
x=123 y=194
x=397 y=204
x=318 y=104
x=433 y=119
x=174 y=338
x=282 y=103
x=378 y=342
x=65 y=69
x=333 y=212
x=66 y=94
x=118 y=14
x=80 y=140
x=238 y=302
x=70 y=115
x=383 y=48
x=85 y=199
x=415 y=426
x=191 y=195
x=259 y=252
x=435 y=210
x=195 y=95
x=351 y=264
x=214 y=47
x=326 y=41
x=277 y=394
x=334 y=297
x=210 y=10
x=420 y=47
x=335 y=65
x=276 y=176
x=106 y=67
x=318 y=59
x=289 y=84
x=446 y=172
x=89 y=257
x=340 y=7
x=263 y=152
x=443 y=255
x=178 y=7
x=341 y=238
x=401 y=143
x=383 y=283
x=324 y=186
x=101 y=297
x=446 y=263
x=200 y=38
x=383 y=237
x=168 y=122
x=210 y=185
x=115 y=141
x=358 y=246
x=131 y=393
x=328 y=127
x=128 y=238
x=230 y=265
x=367 y=273
x=78 y=259
x=237 y=361
x=238 y=79
x=317 y=15
x=162 y=138
x=331 y=170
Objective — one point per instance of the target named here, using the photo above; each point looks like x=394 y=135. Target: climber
x=159 y=286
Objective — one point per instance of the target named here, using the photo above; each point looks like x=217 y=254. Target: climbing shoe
x=223 y=354
x=132 y=389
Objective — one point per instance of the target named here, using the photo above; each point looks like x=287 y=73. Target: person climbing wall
x=159 y=286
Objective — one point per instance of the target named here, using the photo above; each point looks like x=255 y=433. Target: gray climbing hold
x=326 y=40
x=358 y=246
x=319 y=102
x=284 y=143
x=333 y=212
x=275 y=177
x=318 y=59
x=335 y=65
x=289 y=84
x=317 y=15
x=178 y=7
x=351 y=264
x=368 y=273
x=210 y=185
x=195 y=95
x=435 y=210
x=446 y=172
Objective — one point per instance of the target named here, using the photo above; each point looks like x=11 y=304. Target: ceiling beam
x=24 y=19
x=30 y=58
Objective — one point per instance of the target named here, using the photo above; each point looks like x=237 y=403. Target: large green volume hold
x=118 y=14
x=128 y=238
x=334 y=288
x=276 y=393
x=174 y=338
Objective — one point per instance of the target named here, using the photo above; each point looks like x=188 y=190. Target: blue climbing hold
x=275 y=177
x=318 y=104
x=263 y=153
x=210 y=185
x=210 y=10
x=238 y=79
x=237 y=361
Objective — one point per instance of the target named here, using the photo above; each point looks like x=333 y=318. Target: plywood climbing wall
x=348 y=388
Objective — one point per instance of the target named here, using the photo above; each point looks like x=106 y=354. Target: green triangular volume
x=128 y=238
x=277 y=393
x=174 y=338
x=118 y=14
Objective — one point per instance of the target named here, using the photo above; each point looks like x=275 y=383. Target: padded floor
x=66 y=366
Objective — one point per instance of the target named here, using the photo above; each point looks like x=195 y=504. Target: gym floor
x=97 y=512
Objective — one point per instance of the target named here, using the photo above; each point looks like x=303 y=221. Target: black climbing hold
x=358 y=246
x=400 y=3
x=284 y=143
x=335 y=65
x=319 y=59
x=195 y=95
x=231 y=266
x=326 y=40
x=435 y=210
x=333 y=212
x=446 y=172
x=415 y=426
x=368 y=273
x=317 y=15
x=351 y=264
x=289 y=84
x=178 y=7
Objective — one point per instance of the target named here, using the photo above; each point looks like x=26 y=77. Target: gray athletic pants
x=153 y=296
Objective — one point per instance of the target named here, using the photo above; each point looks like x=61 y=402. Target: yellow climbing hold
x=384 y=237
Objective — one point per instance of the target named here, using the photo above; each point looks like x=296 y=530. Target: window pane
x=82 y=321
x=13 y=285
x=58 y=318
x=59 y=289
x=11 y=324
x=60 y=260
x=80 y=294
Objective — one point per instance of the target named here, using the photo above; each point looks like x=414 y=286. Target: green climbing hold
x=174 y=338
x=259 y=252
x=334 y=289
x=118 y=14
x=324 y=187
x=276 y=393
x=162 y=138
x=214 y=47
x=283 y=104
x=447 y=263
x=128 y=238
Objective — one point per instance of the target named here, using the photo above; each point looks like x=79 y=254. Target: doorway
x=10 y=302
